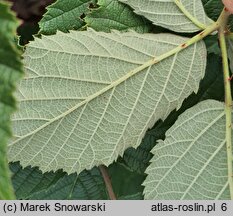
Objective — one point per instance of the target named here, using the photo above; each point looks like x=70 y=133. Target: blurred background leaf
x=10 y=73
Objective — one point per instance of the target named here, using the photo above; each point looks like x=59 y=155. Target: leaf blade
x=107 y=110
x=195 y=166
x=64 y=17
x=183 y=16
x=30 y=183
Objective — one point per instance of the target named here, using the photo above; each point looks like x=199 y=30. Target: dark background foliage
x=30 y=13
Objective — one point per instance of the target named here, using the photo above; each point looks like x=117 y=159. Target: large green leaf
x=8 y=21
x=10 y=73
x=192 y=162
x=176 y=15
x=88 y=185
x=113 y=14
x=88 y=96
x=30 y=183
x=64 y=16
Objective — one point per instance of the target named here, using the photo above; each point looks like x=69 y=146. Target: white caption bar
x=116 y=208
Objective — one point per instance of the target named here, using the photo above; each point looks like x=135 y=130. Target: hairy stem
x=228 y=97
x=107 y=181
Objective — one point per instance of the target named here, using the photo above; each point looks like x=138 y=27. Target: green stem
x=189 y=42
x=228 y=97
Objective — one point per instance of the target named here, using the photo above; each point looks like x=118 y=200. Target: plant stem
x=228 y=97
x=189 y=42
x=107 y=181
